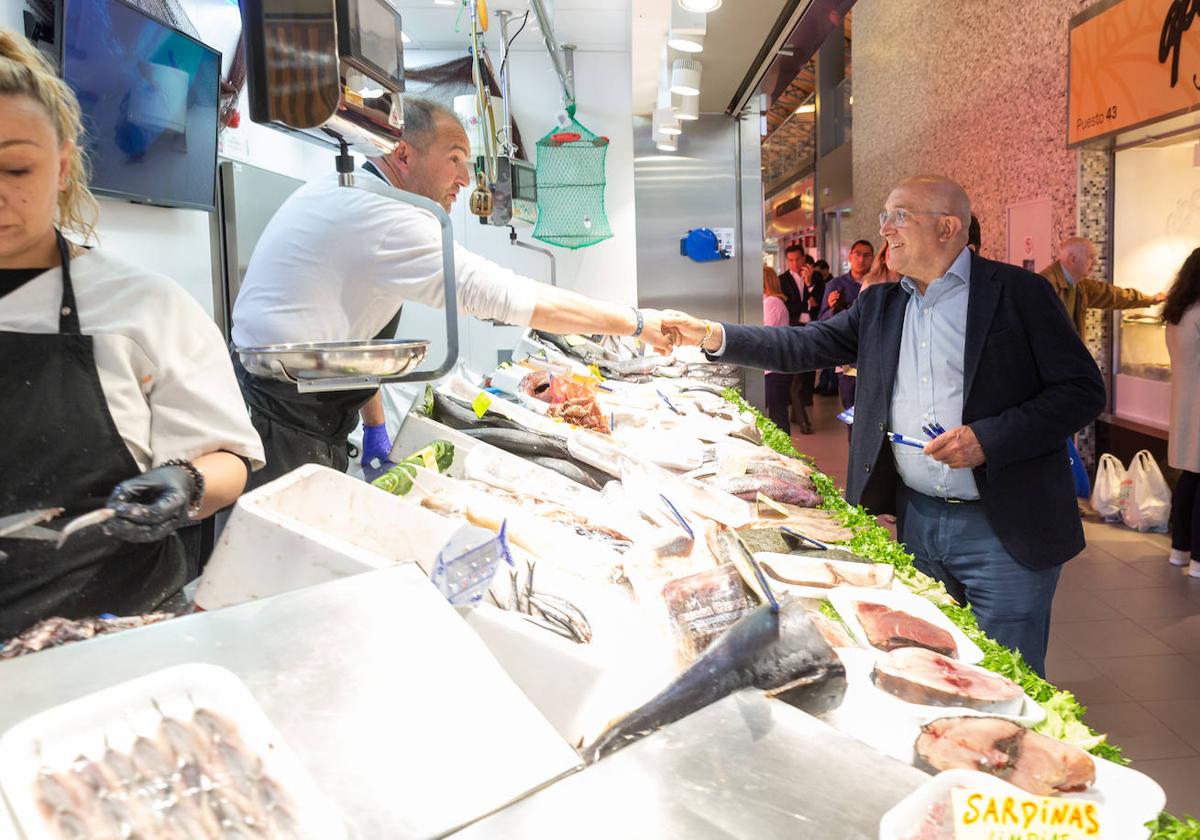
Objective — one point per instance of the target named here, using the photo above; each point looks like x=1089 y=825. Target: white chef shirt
x=163 y=365
x=335 y=263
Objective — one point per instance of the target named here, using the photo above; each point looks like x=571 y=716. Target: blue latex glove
x=376 y=446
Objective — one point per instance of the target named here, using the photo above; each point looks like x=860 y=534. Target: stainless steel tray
x=319 y=360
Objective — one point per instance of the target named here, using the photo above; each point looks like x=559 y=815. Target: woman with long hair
x=1182 y=314
x=778 y=385
x=118 y=391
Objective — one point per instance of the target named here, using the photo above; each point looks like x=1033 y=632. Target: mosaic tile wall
x=1095 y=177
x=975 y=91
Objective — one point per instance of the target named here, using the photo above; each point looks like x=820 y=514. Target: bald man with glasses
x=981 y=350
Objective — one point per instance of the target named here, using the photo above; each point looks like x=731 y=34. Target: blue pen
x=897 y=438
x=933 y=430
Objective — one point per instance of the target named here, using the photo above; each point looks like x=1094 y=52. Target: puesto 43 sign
x=1133 y=62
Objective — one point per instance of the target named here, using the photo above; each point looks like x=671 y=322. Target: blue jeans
x=955 y=544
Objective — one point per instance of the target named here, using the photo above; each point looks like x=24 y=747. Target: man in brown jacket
x=1079 y=292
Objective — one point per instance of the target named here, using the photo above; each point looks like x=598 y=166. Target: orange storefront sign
x=1133 y=62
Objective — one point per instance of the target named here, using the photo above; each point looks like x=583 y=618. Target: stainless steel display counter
x=405 y=720
x=384 y=693
x=745 y=767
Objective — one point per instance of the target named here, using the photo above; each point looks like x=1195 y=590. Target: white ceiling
x=593 y=25
x=736 y=31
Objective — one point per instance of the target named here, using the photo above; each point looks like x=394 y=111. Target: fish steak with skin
x=918 y=675
x=780 y=652
x=1033 y=762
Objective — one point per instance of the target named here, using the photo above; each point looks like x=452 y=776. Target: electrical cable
x=508 y=46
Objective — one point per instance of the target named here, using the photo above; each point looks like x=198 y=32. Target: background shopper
x=840 y=294
x=1070 y=275
x=1182 y=314
x=778 y=385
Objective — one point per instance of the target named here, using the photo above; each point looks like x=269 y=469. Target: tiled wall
x=972 y=90
x=1095 y=180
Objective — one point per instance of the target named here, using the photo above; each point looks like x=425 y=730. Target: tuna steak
x=888 y=629
x=781 y=653
x=1007 y=750
x=921 y=676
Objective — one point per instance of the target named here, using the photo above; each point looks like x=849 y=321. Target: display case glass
x=1142 y=347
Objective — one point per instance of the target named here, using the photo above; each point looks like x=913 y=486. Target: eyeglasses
x=899 y=217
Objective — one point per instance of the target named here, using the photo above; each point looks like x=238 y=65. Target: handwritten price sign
x=991 y=816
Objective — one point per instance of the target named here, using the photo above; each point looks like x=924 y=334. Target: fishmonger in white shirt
x=337 y=263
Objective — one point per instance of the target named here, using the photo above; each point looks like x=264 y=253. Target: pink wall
x=972 y=90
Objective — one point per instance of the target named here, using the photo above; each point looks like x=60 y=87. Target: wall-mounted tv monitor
x=149 y=95
x=370 y=38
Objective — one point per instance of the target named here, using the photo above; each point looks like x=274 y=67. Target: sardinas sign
x=1132 y=62
x=999 y=816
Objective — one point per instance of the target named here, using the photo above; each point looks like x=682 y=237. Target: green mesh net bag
x=570 y=187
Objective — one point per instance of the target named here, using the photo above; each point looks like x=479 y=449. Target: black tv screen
x=149 y=95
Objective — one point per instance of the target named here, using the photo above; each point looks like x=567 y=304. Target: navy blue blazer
x=1029 y=385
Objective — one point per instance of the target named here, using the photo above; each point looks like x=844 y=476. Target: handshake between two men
x=664 y=330
x=667 y=329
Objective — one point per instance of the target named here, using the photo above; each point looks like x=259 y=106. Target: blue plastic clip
x=679 y=516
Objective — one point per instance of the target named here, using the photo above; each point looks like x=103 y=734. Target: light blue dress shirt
x=929 y=379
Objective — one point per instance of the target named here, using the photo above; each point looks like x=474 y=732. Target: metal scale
x=332 y=72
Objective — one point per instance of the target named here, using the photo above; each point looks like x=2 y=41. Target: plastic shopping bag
x=1148 y=503
x=1106 y=494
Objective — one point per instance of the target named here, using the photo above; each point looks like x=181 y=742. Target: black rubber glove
x=150 y=506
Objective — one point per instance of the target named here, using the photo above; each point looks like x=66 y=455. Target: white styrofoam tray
x=312 y=526
x=844 y=598
x=115 y=716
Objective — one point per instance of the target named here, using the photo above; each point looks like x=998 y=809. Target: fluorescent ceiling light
x=685 y=76
x=702 y=6
x=807 y=108
x=445 y=2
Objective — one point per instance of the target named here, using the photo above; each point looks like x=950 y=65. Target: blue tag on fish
x=467 y=563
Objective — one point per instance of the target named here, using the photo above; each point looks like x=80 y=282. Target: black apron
x=61 y=448
x=298 y=429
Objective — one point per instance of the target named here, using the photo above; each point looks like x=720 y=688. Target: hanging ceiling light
x=807 y=108
x=701 y=6
x=687 y=30
x=686 y=107
x=666 y=122
x=666 y=142
x=685 y=76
